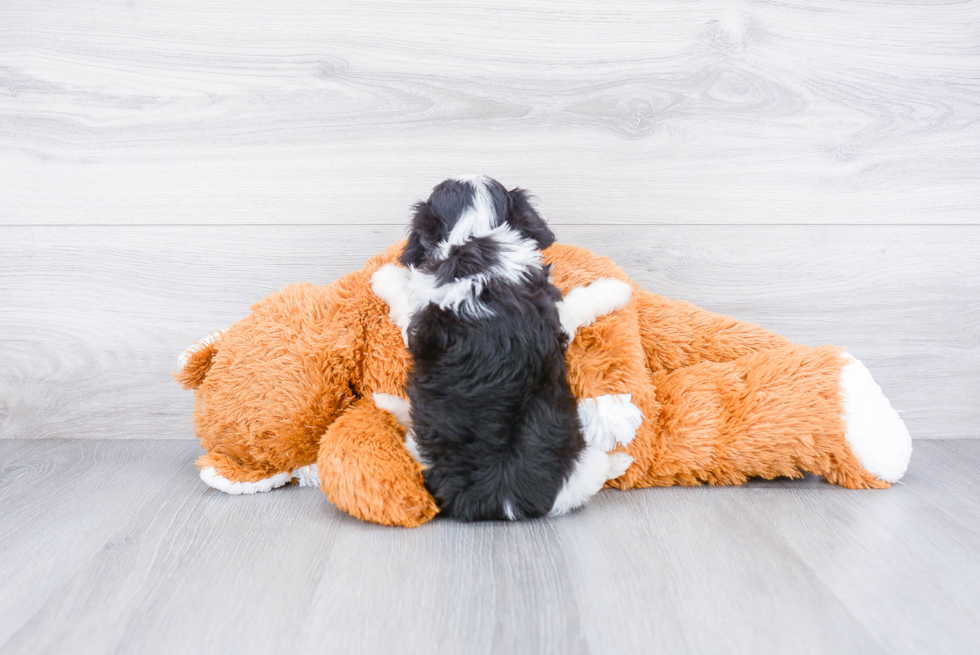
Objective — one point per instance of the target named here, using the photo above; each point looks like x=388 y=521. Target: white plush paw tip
x=307 y=476
x=399 y=407
x=210 y=477
x=392 y=284
x=875 y=432
x=616 y=294
x=185 y=356
x=609 y=420
x=583 y=305
x=389 y=281
x=619 y=462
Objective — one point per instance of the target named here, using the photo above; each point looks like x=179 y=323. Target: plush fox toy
x=309 y=389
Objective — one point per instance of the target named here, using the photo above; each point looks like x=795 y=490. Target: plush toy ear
x=195 y=362
x=522 y=216
x=422 y=223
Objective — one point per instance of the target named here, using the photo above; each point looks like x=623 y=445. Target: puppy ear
x=415 y=250
x=526 y=220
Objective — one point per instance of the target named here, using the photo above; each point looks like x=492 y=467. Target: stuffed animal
x=309 y=389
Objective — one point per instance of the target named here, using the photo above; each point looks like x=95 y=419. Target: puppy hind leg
x=590 y=472
x=619 y=461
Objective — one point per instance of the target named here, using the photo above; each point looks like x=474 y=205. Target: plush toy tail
x=195 y=362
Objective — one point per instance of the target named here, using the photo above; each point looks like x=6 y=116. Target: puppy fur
x=493 y=416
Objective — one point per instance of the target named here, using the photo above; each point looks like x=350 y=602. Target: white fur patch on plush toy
x=583 y=305
x=609 y=420
x=580 y=307
x=305 y=476
x=200 y=345
x=401 y=409
x=398 y=406
x=875 y=432
x=393 y=285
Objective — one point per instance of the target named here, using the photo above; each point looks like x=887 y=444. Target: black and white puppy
x=492 y=414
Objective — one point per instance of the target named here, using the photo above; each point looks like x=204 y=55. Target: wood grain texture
x=94 y=318
x=183 y=112
x=117 y=547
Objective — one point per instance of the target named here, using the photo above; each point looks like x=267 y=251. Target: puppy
x=493 y=417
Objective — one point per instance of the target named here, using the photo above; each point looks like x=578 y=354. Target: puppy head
x=463 y=209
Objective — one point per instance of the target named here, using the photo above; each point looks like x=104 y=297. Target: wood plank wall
x=810 y=166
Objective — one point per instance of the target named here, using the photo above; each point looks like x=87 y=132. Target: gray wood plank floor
x=116 y=547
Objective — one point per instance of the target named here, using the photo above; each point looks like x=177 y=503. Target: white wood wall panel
x=811 y=166
x=189 y=112
x=100 y=314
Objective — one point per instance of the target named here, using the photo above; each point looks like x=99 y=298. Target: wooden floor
x=116 y=547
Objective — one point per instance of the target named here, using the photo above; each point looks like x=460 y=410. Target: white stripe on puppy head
x=516 y=257
x=479 y=219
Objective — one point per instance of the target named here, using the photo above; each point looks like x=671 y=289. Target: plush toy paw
x=194 y=363
x=305 y=476
x=397 y=406
x=609 y=420
x=393 y=285
x=365 y=471
x=400 y=408
x=874 y=431
x=203 y=344
x=582 y=306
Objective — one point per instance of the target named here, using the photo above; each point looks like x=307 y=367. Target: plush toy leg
x=366 y=471
x=768 y=414
x=224 y=474
x=874 y=431
x=676 y=334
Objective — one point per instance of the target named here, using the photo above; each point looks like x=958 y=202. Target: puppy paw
x=590 y=472
x=609 y=420
x=618 y=463
x=583 y=305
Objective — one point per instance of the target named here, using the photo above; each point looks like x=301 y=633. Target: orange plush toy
x=309 y=388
